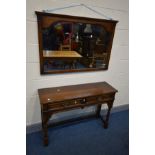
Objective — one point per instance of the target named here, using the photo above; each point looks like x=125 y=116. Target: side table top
x=56 y=94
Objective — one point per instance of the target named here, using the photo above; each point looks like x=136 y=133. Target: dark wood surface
x=74 y=91
x=59 y=99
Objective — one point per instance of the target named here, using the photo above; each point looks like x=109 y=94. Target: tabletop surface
x=60 y=54
x=56 y=94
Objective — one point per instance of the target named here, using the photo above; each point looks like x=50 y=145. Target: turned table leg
x=105 y=122
x=45 y=118
x=41 y=117
x=45 y=134
x=98 y=110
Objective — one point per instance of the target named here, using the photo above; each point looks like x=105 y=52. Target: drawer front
x=81 y=102
x=106 y=97
x=64 y=104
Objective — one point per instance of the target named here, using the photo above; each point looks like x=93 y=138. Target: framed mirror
x=73 y=44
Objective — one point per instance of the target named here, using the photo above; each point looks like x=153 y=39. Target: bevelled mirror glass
x=73 y=44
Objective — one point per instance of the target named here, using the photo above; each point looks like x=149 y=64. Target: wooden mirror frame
x=46 y=19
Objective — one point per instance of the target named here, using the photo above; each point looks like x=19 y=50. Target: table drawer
x=64 y=104
x=106 y=97
x=80 y=102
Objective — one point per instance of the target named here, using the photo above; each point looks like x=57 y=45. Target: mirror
x=73 y=45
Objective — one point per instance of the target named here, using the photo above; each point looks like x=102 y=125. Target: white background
x=13 y=77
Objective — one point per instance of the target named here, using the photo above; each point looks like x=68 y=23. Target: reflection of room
x=88 y=40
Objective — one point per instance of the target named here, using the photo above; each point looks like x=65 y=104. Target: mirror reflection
x=68 y=45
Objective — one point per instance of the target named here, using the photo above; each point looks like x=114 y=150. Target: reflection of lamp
x=88 y=28
x=77 y=38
